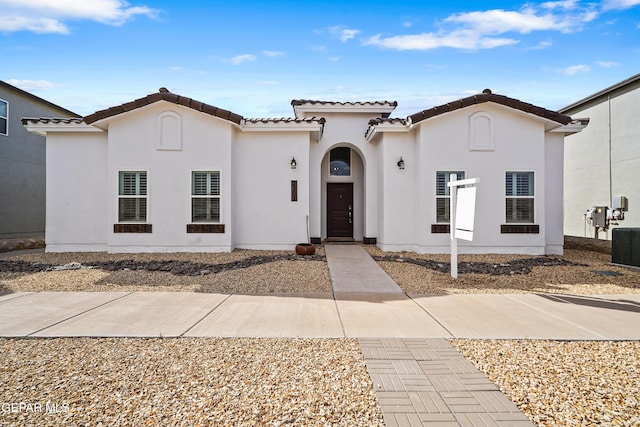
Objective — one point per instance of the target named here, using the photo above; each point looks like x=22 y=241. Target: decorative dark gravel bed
x=180 y=268
x=519 y=266
x=187 y=268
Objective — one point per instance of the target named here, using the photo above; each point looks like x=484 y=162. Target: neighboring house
x=22 y=162
x=602 y=163
x=168 y=173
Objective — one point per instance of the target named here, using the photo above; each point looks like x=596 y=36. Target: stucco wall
x=22 y=168
x=135 y=144
x=586 y=162
x=443 y=144
x=76 y=184
x=264 y=215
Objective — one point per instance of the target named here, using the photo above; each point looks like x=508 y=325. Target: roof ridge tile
x=163 y=95
x=488 y=96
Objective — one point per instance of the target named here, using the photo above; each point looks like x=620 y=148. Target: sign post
x=461 y=215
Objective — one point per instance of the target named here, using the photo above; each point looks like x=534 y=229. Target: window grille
x=205 y=197
x=519 y=197
x=132 y=196
x=443 y=194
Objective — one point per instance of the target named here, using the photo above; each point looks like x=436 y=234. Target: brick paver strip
x=422 y=382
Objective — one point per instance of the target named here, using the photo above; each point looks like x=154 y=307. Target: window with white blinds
x=443 y=194
x=205 y=196
x=519 y=197
x=132 y=196
x=4 y=117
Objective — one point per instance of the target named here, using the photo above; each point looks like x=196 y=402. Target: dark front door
x=340 y=210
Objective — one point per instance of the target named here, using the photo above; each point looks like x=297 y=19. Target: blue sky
x=254 y=57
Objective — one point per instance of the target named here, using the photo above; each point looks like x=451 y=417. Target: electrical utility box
x=621 y=203
x=600 y=216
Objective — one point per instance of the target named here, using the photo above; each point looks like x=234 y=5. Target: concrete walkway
x=419 y=378
x=323 y=315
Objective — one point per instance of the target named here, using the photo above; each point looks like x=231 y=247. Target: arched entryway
x=343 y=194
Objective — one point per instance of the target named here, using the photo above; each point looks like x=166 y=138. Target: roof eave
x=43 y=126
x=574 y=127
x=376 y=130
x=314 y=126
x=601 y=94
x=301 y=107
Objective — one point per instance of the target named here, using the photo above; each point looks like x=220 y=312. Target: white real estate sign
x=463 y=209
x=465 y=213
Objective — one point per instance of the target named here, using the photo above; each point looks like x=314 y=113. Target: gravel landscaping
x=575 y=383
x=298 y=382
x=576 y=272
x=185 y=382
x=243 y=271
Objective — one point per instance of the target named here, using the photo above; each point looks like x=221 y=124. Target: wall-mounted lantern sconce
x=294 y=164
x=400 y=164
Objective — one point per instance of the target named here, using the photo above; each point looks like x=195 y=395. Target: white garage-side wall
x=517 y=143
x=264 y=216
x=141 y=141
x=591 y=179
x=76 y=203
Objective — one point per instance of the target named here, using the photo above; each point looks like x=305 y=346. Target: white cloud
x=562 y=4
x=574 y=69
x=488 y=29
x=525 y=21
x=619 y=4
x=543 y=45
x=334 y=58
x=607 y=64
x=239 y=59
x=272 y=53
x=344 y=34
x=31 y=84
x=176 y=68
x=428 y=41
x=348 y=34
x=49 y=16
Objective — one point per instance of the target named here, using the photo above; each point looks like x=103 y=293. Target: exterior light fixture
x=401 y=164
x=294 y=164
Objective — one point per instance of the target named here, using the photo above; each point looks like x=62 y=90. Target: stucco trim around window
x=519 y=229
x=205 y=228
x=132 y=228
x=133 y=202
x=206 y=197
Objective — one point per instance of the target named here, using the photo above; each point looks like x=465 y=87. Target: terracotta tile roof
x=164 y=95
x=44 y=120
x=392 y=120
x=296 y=102
x=488 y=96
x=319 y=120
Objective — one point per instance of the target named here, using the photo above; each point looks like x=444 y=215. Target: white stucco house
x=166 y=173
x=602 y=163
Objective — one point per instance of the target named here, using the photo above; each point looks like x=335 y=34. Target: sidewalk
x=418 y=376
x=353 y=315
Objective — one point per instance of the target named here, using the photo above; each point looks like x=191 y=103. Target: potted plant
x=306 y=248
